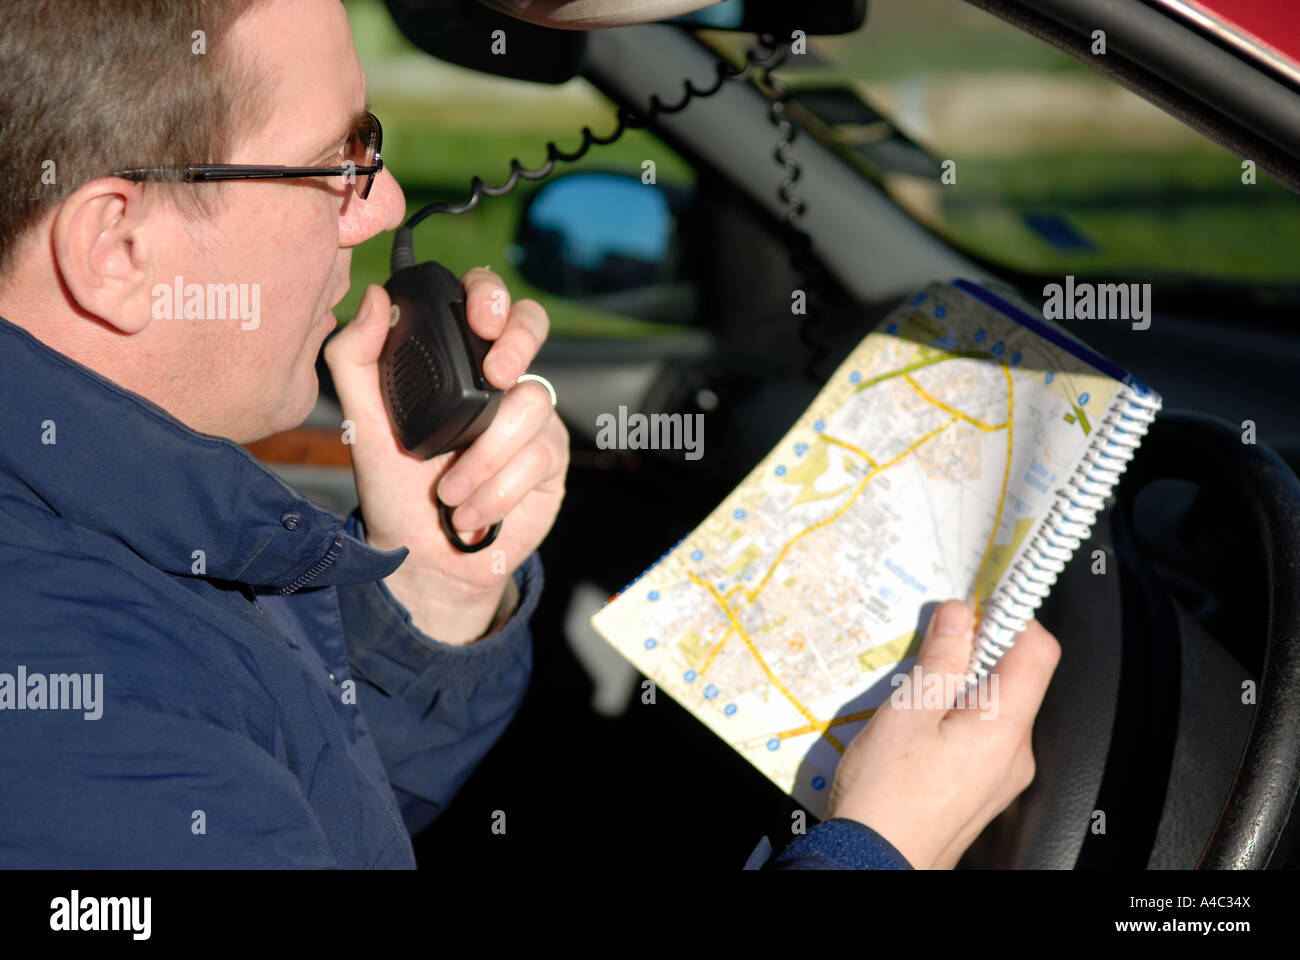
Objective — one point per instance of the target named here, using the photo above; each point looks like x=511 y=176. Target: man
x=207 y=669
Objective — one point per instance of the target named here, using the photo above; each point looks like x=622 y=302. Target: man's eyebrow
x=332 y=146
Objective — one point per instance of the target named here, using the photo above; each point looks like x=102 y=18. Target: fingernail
x=503 y=366
x=466 y=520
x=453 y=489
x=952 y=619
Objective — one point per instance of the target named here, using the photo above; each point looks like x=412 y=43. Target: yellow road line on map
x=850 y=447
x=905 y=372
x=709 y=659
x=919 y=364
x=722 y=601
x=754 y=650
x=1002 y=499
x=840 y=512
x=943 y=406
x=815 y=725
x=820 y=726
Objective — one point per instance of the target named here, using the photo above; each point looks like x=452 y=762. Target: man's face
x=292 y=238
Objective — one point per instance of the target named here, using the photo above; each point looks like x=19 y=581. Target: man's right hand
x=929 y=780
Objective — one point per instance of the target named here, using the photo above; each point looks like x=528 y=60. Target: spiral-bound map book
x=963 y=450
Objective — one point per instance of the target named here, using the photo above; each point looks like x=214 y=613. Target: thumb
x=360 y=342
x=949 y=637
x=352 y=355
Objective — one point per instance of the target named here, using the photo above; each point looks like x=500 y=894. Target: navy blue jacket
x=259 y=698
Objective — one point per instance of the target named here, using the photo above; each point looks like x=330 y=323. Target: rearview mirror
x=455 y=31
x=779 y=17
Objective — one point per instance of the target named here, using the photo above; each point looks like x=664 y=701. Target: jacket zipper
x=315 y=570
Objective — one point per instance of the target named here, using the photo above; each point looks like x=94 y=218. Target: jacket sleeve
x=836 y=844
x=434 y=709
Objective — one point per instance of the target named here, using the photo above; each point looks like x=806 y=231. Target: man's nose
x=383 y=210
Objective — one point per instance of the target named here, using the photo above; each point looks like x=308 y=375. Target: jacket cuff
x=528 y=588
x=409 y=646
x=837 y=844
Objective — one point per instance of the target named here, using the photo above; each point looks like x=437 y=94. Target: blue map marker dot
x=652 y=596
x=819 y=783
x=1051 y=375
x=774 y=744
x=739 y=513
x=892 y=328
x=940 y=311
x=780 y=471
x=689 y=676
x=800 y=449
x=650 y=643
x=710 y=692
x=979 y=336
x=1083 y=399
x=819 y=426
x=729 y=709
x=697 y=555
x=855 y=377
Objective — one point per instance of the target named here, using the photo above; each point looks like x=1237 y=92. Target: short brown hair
x=98 y=85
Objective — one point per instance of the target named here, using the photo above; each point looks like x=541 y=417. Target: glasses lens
x=363 y=147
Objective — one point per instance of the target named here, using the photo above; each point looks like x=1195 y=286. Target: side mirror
x=596 y=237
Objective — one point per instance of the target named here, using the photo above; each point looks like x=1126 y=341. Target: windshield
x=1034 y=162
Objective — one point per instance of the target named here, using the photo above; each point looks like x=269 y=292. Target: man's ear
x=101 y=251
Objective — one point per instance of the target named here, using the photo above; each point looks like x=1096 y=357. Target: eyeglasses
x=361 y=164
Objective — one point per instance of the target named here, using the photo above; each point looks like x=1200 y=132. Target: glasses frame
x=208 y=172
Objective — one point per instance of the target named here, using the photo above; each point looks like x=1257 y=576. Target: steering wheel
x=1249 y=831
x=1112 y=715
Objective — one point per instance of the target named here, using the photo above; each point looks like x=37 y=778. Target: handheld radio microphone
x=431 y=368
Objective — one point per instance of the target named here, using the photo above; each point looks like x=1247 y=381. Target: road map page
x=926 y=461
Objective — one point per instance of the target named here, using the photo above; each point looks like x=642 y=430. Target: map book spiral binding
x=1067 y=524
x=964 y=449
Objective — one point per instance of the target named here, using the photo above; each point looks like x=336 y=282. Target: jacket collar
x=113 y=462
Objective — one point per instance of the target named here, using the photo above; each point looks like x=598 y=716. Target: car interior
x=1170 y=735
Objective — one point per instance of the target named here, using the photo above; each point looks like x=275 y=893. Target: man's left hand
x=513 y=472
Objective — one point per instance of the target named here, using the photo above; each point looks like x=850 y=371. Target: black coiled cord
x=800 y=243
